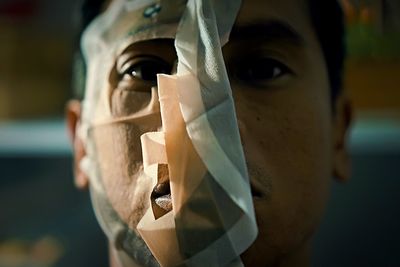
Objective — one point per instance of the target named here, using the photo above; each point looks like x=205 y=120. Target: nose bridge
x=154 y=104
x=154 y=107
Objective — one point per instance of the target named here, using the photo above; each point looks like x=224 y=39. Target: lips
x=164 y=202
x=161 y=196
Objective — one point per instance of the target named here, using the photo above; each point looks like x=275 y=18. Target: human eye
x=260 y=71
x=143 y=69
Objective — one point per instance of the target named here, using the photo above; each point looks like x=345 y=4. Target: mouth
x=161 y=195
x=161 y=201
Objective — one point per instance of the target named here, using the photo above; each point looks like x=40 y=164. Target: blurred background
x=45 y=221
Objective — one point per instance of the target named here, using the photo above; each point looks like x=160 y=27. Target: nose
x=174 y=67
x=154 y=104
x=153 y=120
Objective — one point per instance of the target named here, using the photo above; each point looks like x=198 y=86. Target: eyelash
x=255 y=71
x=258 y=71
x=144 y=69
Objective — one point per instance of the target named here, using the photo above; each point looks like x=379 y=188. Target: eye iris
x=148 y=70
x=260 y=69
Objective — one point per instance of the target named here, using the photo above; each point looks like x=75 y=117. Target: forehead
x=126 y=21
x=292 y=14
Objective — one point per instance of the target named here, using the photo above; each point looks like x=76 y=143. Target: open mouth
x=161 y=201
x=161 y=195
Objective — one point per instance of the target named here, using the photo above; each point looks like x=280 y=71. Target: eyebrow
x=271 y=30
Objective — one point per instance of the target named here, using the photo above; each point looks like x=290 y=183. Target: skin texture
x=292 y=140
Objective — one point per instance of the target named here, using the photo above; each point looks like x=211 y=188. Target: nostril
x=255 y=192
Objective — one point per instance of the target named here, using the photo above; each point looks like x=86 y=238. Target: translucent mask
x=197 y=149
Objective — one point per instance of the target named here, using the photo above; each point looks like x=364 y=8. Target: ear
x=72 y=116
x=341 y=124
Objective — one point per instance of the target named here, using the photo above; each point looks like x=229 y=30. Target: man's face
x=282 y=97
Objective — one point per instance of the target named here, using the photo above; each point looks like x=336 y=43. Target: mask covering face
x=197 y=151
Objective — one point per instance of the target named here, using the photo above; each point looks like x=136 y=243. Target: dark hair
x=326 y=18
x=328 y=21
x=89 y=10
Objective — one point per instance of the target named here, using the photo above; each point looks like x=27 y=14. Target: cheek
x=119 y=152
x=288 y=139
x=120 y=160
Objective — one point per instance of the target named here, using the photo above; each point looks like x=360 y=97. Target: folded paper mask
x=212 y=221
